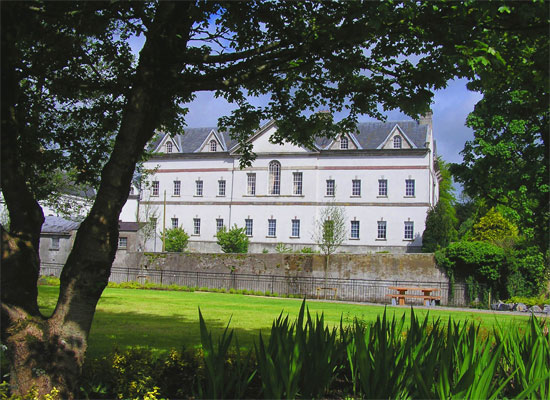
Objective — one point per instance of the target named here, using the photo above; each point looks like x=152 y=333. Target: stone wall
x=390 y=267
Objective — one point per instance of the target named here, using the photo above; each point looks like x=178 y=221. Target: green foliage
x=176 y=240
x=527 y=273
x=378 y=359
x=282 y=248
x=539 y=300
x=441 y=220
x=308 y=250
x=233 y=240
x=330 y=228
x=494 y=228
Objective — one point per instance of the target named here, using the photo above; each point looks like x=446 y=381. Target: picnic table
x=404 y=292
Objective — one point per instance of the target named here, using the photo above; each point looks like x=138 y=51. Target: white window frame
x=397 y=142
x=295 y=228
x=175 y=222
x=330 y=189
x=249 y=226
x=271 y=227
x=408 y=233
x=251 y=184
x=344 y=143
x=356 y=187
x=213 y=145
x=355 y=229
x=219 y=224
x=382 y=187
x=169 y=147
x=196 y=226
x=382 y=230
x=199 y=186
x=122 y=242
x=274 y=178
x=221 y=187
x=177 y=188
x=298 y=179
x=155 y=188
x=410 y=188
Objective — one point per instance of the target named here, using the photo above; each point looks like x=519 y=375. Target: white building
x=384 y=175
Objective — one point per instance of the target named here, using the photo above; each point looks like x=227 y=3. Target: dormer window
x=397 y=142
x=168 y=147
x=213 y=145
x=344 y=143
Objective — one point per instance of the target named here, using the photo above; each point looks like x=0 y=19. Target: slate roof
x=370 y=135
x=128 y=226
x=58 y=225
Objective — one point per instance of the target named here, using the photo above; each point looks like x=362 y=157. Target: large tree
x=74 y=99
x=507 y=162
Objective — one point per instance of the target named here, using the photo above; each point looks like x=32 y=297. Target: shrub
x=175 y=240
x=440 y=228
x=494 y=228
x=282 y=248
x=527 y=272
x=308 y=250
x=233 y=240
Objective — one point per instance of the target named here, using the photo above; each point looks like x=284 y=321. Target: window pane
x=248 y=226
x=251 y=184
x=397 y=142
x=409 y=187
x=382 y=187
x=198 y=190
x=409 y=230
x=175 y=222
x=344 y=142
x=355 y=229
x=155 y=188
x=381 y=230
x=298 y=183
x=196 y=226
x=272 y=227
x=219 y=224
x=122 y=242
x=330 y=187
x=213 y=145
x=168 y=147
x=274 y=177
x=356 y=187
x=177 y=188
x=221 y=188
x=295 y=228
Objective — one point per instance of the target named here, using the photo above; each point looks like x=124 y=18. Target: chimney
x=426 y=119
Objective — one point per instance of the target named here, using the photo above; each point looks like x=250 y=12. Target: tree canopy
x=75 y=99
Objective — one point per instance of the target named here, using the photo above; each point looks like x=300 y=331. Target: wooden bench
x=335 y=290
x=426 y=296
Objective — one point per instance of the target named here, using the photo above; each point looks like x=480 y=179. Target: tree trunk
x=48 y=353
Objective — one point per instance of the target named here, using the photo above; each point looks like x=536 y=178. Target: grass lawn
x=161 y=320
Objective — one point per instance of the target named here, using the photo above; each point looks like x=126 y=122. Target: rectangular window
x=381 y=230
x=248 y=225
x=356 y=187
x=196 y=226
x=295 y=228
x=409 y=230
x=330 y=187
x=219 y=224
x=271 y=227
x=221 y=187
x=251 y=184
x=382 y=187
x=177 y=188
x=122 y=242
x=175 y=223
x=55 y=243
x=354 y=229
x=298 y=176
x=409 y=187
x=198 y=188
x=155 y=187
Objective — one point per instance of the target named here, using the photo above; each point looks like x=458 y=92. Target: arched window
x=213 y=145
x=274 y=177
x=343 y=142
x=168 y=147
x=397 y=142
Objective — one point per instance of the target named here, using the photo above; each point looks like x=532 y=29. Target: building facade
x=383 y=175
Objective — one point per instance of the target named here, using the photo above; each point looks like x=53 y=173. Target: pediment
x=397 y=132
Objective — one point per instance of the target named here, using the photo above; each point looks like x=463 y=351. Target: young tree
x=330 y=231
x=74 y=98
x=176 y=240
x=233 y=240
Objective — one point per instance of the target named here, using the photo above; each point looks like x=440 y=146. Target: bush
x=233 y=240
x=440 y=228
x=175 y=240
x=527 y=272
x=282 y=248
x=494 y=228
